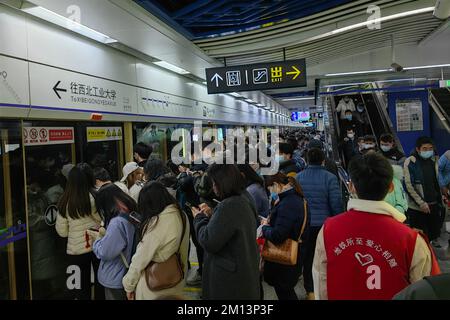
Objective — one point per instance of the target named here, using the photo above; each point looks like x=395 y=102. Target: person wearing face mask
x=349 y=145
x=322 y=191
x=227 y=233
x=390 y=151
x=344 y=105
x=285 y=222
x=425 y=208
x=287 y=164
x=350 y=123
x=370 y=143
x=368 y=253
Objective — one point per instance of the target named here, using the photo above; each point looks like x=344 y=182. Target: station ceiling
x=199 y=19
x=245 y=32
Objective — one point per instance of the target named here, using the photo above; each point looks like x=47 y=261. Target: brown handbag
x=285 y=253
x=167 y=274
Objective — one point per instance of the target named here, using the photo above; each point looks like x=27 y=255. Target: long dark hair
x=109 y=200
x=75 y=200
x=153 y=199
x=250 y=175
x=227 y=179
x=283 y=179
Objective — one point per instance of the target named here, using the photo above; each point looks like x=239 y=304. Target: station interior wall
x=36 y=53
x=408 y=138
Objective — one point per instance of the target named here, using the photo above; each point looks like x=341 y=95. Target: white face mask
x=369 y=146
x=350 y=135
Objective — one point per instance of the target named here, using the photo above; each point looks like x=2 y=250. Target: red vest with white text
x=368 y=256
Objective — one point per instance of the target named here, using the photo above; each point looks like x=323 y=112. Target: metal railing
x=437 y=108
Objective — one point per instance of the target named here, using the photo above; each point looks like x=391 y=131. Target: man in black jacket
x=287 y=164
x=349 y=145
x=142 y=152
x=390 y=151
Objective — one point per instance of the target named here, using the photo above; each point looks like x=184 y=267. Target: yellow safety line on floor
x=191 y=289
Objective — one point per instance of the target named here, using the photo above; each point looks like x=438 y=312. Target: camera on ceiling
x=396 y=67
x=442 y=9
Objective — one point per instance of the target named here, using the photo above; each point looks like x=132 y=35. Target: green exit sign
x=444 y=83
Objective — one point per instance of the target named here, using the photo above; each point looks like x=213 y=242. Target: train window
x=14 y=280
x=158 y=135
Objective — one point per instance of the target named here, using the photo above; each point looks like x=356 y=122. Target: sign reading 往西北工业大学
x=62 y=89
x=12 y=234
x=255 y=77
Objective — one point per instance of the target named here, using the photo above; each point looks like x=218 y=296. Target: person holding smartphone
x=227 y=233
x=115 y=248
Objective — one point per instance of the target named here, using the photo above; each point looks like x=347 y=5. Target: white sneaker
x=195 y=280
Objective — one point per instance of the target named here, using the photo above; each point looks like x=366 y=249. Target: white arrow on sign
x=216 y=77
x=50 y=215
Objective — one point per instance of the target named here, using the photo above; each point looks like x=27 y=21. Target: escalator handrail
x=437 y=108
x=368 y=116
x=386 y=120
x=335 y=123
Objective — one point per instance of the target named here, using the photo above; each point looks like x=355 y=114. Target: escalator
x=375 y=115
x=439 y=100
x=442 y=97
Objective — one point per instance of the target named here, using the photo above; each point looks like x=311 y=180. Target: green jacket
x=398 y=198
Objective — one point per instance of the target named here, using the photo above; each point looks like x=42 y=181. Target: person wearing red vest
x=367 y=252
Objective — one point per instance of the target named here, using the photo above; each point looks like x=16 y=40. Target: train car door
x=14 y=272
x=49 y=156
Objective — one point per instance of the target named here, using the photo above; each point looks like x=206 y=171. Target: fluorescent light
x=386 y=70
x=249 y=101
x=171 y=67
x=259 y=105
x=428 y=67
x=234 y=94
x=66 y=23
x=298 y=99
x=367 y=23
x=378 y=81
x=205 y=83
x=357 y=72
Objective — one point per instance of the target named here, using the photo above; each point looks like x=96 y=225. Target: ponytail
x=294 y=184
x=281 y=178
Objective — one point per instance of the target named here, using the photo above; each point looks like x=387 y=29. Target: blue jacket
x=322 y=191
x=286 y=218
x=259 y=194
x=119 y=238
x=444 y=170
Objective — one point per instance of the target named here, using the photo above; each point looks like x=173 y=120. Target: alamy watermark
x=239 y=147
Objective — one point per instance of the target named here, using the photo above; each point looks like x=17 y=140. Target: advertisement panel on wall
x=409 y=115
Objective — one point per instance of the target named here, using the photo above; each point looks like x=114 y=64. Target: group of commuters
x=137 y=232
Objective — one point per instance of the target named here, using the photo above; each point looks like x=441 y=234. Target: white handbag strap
x=124 y=260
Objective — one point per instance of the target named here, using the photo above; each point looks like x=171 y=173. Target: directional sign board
x=255 y=77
